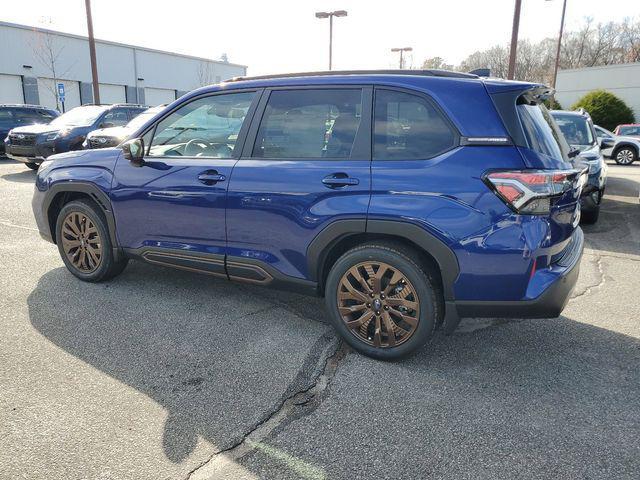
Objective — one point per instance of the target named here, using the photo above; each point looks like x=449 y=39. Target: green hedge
x=605 y=109
x=552 y=104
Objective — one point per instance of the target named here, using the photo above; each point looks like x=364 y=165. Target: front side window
x=207 y=127
x=309 y=123
x=408 y=127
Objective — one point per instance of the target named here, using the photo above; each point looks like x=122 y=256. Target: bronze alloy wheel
x=81 y=242
x=378 y=304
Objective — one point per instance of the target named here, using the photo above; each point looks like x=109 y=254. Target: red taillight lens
x=530 y=191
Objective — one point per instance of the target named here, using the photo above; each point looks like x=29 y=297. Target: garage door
x=11 y=89
x=156 y=96
x=47 y=90
x=112 y=93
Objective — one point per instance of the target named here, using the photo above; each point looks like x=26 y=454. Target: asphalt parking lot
x=166 y=374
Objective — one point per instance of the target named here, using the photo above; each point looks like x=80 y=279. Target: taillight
x=530 y=191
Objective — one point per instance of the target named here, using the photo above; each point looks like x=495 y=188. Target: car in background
x=12 y=116
x=579 y=132
x=624 y=150
x=33 y=144
x=113 y=136
x=628 y=130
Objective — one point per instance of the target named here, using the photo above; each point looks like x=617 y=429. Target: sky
x=273 y=36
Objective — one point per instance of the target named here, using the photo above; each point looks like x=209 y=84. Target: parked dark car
x=408 y=199
x=12 y=116
x=113 y=136
x=32 y=144
x=579 y=132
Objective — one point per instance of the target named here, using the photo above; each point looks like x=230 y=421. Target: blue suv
x=406 y=199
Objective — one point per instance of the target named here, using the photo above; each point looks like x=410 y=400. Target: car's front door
x=305 y=164
x=171 y=208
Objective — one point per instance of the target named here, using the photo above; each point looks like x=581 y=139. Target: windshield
x=631 y=130
x=142 y=118
x=575 y=128
x=543 y=135
x=79 y=117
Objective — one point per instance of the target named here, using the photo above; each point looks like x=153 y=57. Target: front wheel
x=625 y=156
x=591 y=215
x=381 y=301
x=32 y=166
x=84 y=244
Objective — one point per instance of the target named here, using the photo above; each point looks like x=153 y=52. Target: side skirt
x=232 y=268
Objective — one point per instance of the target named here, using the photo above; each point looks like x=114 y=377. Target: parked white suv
x=624 y=149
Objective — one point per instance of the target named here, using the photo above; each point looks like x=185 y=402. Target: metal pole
x=330 y=38
x=92 y=54
x=401 y=59
x=555 y=68
x=514 y=40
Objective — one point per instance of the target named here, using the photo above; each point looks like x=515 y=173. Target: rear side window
x=541 y=131
x=311 y=123
x=408 y=127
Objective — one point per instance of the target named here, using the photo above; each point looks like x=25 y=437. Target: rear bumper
x=548 y=304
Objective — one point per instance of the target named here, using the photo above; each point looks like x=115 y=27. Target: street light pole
x=92 y=54
x=514 y=40
x=402 y=50
x=330 y=15
x=555 y=67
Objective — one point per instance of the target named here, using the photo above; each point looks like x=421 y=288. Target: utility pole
x=514 y=40
x=330 y=15
x=401 y=50
x=92 y=54
x=555 y=67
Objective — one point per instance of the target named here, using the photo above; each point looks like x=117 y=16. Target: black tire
x=625 y=155
x=33 y=166
x=107 y=266
x=590 y=216
x=423 y=281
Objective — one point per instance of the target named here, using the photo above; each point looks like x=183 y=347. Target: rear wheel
x=625 y=156
x=590 y=216
x=32 y=166
x=381 y=301
x=84 y=244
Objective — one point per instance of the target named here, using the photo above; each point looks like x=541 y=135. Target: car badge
x=21 y=136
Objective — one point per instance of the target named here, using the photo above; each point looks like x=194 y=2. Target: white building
x=622 y=80
x=126 y=73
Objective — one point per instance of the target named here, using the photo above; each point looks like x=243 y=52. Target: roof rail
x=426 y=73
x=26 y=105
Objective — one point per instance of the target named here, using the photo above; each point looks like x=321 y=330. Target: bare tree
x=591 y=45
x=436 y=63
x=48 y=51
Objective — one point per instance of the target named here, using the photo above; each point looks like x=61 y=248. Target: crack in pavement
x=9 y=223
x=598 y=284
x=295 y=404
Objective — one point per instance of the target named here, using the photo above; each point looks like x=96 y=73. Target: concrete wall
x=120 y=66
x=621 y=80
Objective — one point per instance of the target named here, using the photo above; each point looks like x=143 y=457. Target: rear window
x=542 y=133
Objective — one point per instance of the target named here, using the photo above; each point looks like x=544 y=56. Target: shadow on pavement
x=217 y=356
x=213 y=353
x=27 y=176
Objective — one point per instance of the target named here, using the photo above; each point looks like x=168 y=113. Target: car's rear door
x=306 y=164
x=172 y=208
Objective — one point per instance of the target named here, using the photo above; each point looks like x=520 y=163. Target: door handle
x=337 y=180
x=211 y=177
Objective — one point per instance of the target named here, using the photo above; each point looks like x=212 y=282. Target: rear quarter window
x=541 y=131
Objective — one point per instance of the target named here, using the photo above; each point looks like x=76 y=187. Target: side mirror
x=607 y=143
x=133 y=150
